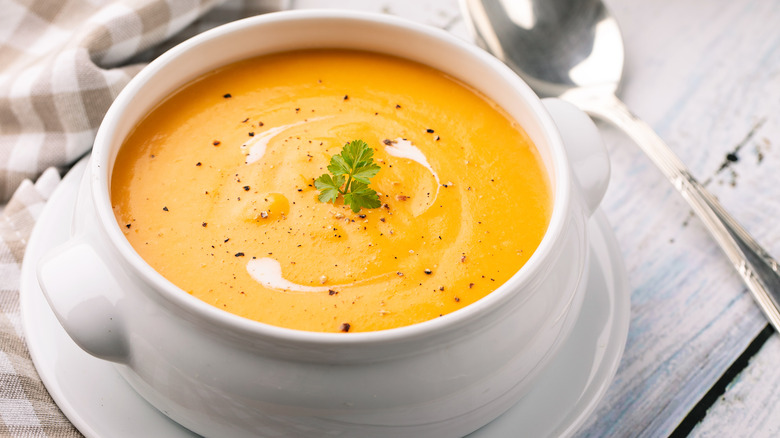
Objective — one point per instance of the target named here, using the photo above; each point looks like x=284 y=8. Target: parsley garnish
x=351 y=169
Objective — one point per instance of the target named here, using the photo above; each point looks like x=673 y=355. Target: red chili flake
x=239 y=254
x=401 y=197
x=246 y=188
x=344 y=327
x=332 y=292
x=463 y=259
x=216 y=142
x=227 y=96
x=165 y=208
x=386 y=206
x=471 y=285
x=260 y=124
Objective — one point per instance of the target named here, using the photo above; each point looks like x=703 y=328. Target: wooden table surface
x=705 y=74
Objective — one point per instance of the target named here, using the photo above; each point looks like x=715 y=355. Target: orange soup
x=214 y=188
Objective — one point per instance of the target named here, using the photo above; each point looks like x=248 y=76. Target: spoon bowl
x=573 y=49
x=555 y=45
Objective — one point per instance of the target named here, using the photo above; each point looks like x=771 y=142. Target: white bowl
x=222 y=375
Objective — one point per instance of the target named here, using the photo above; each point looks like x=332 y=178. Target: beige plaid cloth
x=62 y=63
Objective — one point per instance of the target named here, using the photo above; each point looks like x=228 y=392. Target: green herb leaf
x=361 y=196
x=329 y=187
x=350 y=171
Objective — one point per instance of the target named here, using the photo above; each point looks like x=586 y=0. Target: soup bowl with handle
x=222 y=375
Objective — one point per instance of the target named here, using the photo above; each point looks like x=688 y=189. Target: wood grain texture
x=705 y=74
x=750 y=406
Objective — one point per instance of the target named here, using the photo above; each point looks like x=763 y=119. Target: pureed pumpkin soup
x=215 y=189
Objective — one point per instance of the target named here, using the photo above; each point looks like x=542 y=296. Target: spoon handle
x=757 y=268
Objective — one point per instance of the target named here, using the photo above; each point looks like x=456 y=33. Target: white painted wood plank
x=750 y=406
x=703 y=73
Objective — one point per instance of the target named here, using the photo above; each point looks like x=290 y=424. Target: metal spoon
x=573 y=49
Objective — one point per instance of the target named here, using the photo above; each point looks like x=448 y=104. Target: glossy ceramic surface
x=221 y=375
x=561 y=398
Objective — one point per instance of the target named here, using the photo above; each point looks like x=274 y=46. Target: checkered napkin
x=62 y=63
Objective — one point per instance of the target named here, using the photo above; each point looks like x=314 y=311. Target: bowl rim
x=100 y=168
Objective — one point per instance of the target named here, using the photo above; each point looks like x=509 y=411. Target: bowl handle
x=585 y=149
x=85 y=297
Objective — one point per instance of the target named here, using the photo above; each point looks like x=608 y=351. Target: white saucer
x=100 y=403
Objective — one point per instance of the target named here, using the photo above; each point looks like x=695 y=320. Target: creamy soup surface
x=215 y=190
